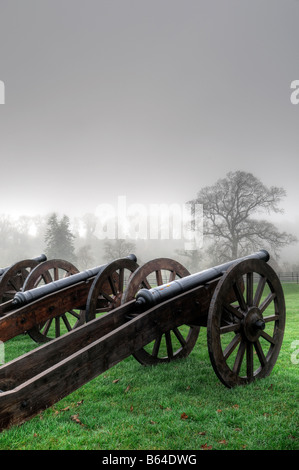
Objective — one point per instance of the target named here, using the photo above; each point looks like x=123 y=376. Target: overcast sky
x=148 y=99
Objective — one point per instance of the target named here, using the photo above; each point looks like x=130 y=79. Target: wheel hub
x=253 y=324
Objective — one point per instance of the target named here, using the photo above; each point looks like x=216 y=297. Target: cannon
x=12 y=278
x=30 y=273
x=47 y=272
x=60 y=301
x=241 y=303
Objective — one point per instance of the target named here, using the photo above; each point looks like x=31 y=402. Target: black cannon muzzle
x=150 y=297
x=23 y=298
x=39 y=259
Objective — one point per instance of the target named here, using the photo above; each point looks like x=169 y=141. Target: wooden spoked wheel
x=49 y=271
x=173 y=344
x=245 y=335
x=108 y=287
x=14 y=277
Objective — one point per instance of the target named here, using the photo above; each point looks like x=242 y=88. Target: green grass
x=177 y=406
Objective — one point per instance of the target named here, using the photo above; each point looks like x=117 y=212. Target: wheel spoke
x=233 y=310
x=145 y=284
x=56 y=273
x=169 y=345
x=271 y=318
x=112 y=285
x=47 y=327
x=259 y=291
x=267 y=302
x=268 y=337
x=249 y=288
x=239 y=295
x=260 y=353
x=74 y=314
x=14 y=285
x=156 y=346
x=66 y=322
x=179 y=336
x=121 y=279
x=57 y=327
x=159 y=277
x=107 y=297
x=239 y=358
x=172 y=276
x=232 y=346
x=228 y=328
x=38 y=280
x=249 y=359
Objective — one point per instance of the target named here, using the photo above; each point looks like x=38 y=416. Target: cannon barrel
x=23 y=298
x=150 y=297
x=39 y=259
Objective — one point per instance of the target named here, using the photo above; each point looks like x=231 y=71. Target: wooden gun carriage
x=31 y=273
x=60 y=301
x=241 y=303
x=12 y=277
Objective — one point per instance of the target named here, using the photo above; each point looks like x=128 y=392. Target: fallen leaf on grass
x=206 y=447
x=76 y=420
x=115 y=381
x=202 y=433
x=128 y=388
x=223 y=441
x=184 y=416
x=219 y=411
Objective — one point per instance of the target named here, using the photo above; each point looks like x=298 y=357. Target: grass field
x=177 y=406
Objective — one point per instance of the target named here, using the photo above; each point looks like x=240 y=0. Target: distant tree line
x=233 y=225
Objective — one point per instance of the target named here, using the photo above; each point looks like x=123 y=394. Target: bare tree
x=84 y=257
x=118 y=249
x=230 y=207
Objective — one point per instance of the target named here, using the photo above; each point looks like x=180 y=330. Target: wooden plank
x=35 y=362
x=69 y=365
x=24 y=318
